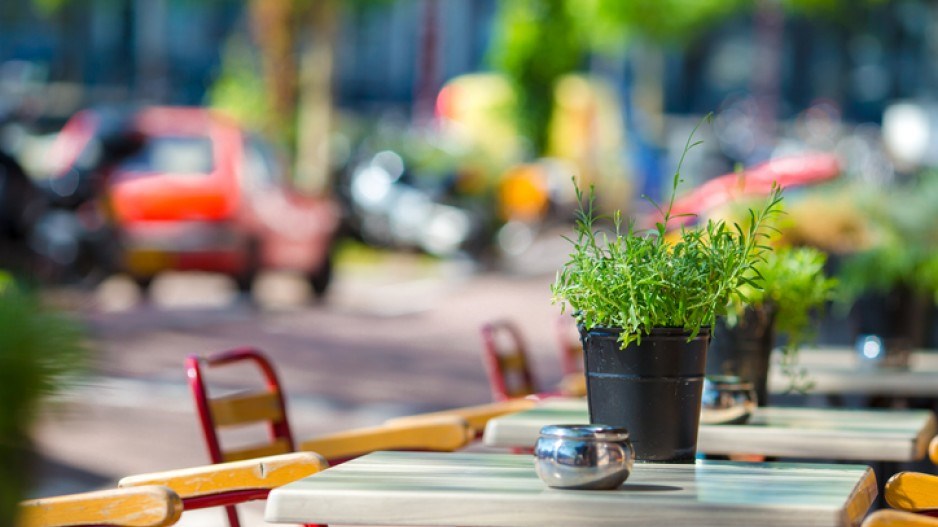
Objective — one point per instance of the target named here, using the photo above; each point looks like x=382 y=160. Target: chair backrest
x=265 y=406
x=262 y=406
x=144 y=506
x=506 y=361
x=226 y=484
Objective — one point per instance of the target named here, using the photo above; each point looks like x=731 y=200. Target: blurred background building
x=489 y=107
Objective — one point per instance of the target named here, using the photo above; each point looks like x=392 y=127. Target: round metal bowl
x=727 y=400
x=587 y=457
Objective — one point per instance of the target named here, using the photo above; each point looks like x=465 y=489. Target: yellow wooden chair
x=909 y=494
x=144 y=506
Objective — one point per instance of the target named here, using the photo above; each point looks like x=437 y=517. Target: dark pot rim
x=659 y=332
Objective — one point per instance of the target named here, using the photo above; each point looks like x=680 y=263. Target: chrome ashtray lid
x=595 y=432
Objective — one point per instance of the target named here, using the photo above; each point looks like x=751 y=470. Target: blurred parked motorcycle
x=387 y=205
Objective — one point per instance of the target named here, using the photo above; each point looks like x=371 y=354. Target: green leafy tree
x=538 y=41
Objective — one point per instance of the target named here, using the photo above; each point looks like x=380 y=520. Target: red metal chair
x=263 y=406
x=506 y=361
x=267 y=406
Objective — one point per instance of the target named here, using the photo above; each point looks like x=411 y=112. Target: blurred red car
x=200 y=193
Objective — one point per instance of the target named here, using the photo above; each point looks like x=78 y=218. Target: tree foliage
x=538 y=41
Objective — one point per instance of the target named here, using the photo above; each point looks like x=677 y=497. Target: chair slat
x=278 y=446
x=242 y=409
x=261 y=473
x=147 y=506
x=513 y=362
x=446 y=433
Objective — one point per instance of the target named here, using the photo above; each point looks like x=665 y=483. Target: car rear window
x=172 y=155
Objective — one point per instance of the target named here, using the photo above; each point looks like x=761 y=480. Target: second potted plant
x=791 y=284
x=644 y=303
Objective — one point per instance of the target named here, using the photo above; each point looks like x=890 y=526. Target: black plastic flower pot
x=897 y=316
x=653 y=389
x=744 y=350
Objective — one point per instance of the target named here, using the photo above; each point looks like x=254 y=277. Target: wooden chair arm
x=475 y=416
x=148 y=506
x=442 y=433
x=894 y=518
x=912 y=491
x=933 y=450
x=263 y=473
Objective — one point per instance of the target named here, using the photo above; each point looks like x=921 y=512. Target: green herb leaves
x=639 y=280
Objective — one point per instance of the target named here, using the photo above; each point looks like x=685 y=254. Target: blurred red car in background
x=201 y=193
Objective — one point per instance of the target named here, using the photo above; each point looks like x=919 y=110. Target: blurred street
x=396 y=337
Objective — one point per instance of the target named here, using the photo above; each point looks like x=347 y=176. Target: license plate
x=147 y=262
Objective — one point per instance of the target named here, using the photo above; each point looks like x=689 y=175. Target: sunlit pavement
x=393 y=338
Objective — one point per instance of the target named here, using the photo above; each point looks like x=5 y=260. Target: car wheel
x=144 y=283
x=245 y=280
x=320 y=279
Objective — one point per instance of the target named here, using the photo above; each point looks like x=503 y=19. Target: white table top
x=807 y=433
x=502 y=490
x=838 y=370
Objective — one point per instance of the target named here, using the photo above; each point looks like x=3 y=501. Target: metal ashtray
x=727 y=400
x=587 y=457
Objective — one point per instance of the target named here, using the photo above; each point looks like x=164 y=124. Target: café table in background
x=841 y=371
x=472 y=489
x=803 y=433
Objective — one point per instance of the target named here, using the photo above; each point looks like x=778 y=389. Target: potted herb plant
x=39 y=347
x=791 y=283
x=644 y=303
